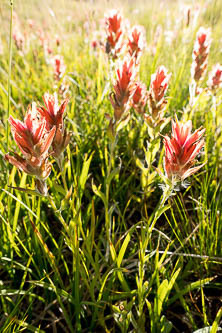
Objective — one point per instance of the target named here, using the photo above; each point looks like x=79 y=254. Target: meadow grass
x=100 y=253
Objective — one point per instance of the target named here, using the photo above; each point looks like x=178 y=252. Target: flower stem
x=59 y=215
x=62 y=170
x=9 y=76
x=107 y=217
x=9 y=96
x=159 y=210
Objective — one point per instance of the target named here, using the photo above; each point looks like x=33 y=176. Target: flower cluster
x=17 y=34
x=200 y=54
x=215 y=78
x=156 y=97
x=121 y=39
x=52 y=113
x=136 y=41
x=115 y=28
x=123 y=86
x=19 y=39
x=59 y=66
x=41 y=131
x=139 y=97
x=181 y=150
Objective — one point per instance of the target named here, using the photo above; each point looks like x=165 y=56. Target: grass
x=105 y=255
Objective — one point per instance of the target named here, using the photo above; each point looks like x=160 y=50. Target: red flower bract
x=156 y=97
x=136 y=41
x=124 y=86
x=34 y=143
x=215 y=77
x=139 y=97
x=53 y=115
x=30 y=136
x=159 y=84
x=200 y=54
x=181 y=150
x=115 y=28
x=59 y=66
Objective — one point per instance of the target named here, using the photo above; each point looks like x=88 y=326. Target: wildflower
x=156 y=37
x=41 y=172
x=45 y=43
x=18 y=36
x=31 y=23
x=34 y=143
x=30 y=136
x=156 y=97
x=124 y=87
x=42 y=37
x=200 y=54
x=64 y=89
x=136 y=41
x=215 y=78
x=59 y=66
x=115 y=29
x=181 y=150
x=158 y=87
x=19 y=39
x=94 y=44
x=139 y=97
x=53 y=116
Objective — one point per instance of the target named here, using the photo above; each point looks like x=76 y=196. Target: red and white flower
x=181 y=150
x=215 y=78
x=53 y=114
x=200 y=54
x=34 y=143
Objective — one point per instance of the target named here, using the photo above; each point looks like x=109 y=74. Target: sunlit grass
x=162 y=269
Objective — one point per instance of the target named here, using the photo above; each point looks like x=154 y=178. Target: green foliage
x=106 y=251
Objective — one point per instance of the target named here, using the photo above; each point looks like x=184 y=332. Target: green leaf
x=99 y=194
x=59 y=188
x=113 y=174
x=123 y=249
x=208 y=329
x=215 y=327
x=161 y=294
x=27 y=190
x=166 y=325
x=189 y=287
x=139 y=164
x=85 y=171
x=122 y=123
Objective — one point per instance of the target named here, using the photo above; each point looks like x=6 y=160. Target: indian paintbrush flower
x=34 y=142
x=115 y=28
x=181 y=150
x=215 y=78
x=59 y=66
x=53 y=116
x=200 y=54
x=124 y=86
x=19 y=39
x=156 y=97
x=136 y=41
x=139 y=97
x=31 y=136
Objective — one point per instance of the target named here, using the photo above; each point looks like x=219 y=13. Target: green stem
x=158 y=212
x=9 y=77
x=9 y=97
x=62 y=170
x=107 y=218
x=59 y=215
